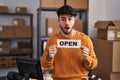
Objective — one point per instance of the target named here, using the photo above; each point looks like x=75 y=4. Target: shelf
x=12 y=42
x=27 y=14
x=14 y=38
x=55 y=9
x=10 y=54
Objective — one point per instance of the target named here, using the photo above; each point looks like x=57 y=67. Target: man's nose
x=67 y=21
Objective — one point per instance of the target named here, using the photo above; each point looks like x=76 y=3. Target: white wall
x=102 y=10
x=112 y=11
x=96 y=12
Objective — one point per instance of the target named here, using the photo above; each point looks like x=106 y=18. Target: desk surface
x=46 y=77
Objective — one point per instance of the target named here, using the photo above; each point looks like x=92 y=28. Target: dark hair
x=66 y=9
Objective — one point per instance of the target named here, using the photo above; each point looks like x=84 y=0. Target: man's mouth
x=67 y=28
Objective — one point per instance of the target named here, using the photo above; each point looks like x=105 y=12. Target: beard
x=65 y=30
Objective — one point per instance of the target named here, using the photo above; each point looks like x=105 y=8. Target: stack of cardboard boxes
x=17 y=30
x=107 y=46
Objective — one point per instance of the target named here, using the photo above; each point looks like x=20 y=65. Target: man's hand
x=52 y=51
x=85 y=51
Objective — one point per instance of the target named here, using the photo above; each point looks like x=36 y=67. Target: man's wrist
x=49 y=57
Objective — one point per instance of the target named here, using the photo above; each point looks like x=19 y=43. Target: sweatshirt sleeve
x=45 y=62
x=91 y=61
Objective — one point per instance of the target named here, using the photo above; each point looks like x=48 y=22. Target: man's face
x=66 y=23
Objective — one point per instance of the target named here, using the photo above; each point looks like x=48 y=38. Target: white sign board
x=64 y=43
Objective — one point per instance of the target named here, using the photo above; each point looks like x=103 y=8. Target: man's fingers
x=84 y=48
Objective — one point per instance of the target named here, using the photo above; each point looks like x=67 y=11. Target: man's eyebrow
x=62 y=17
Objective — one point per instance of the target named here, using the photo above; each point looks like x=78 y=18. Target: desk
x=48 y=77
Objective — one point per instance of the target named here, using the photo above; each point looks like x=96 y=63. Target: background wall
x=102 y=10
x=112 y=11
x=98 y=10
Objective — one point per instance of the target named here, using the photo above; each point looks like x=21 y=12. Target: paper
x=111 y=35
x=65 y=43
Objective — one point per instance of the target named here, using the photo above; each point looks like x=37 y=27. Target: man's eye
x=70 y=19
x=63 y=19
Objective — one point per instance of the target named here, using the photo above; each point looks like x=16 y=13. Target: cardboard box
x=21 y=10
x=4 y=47
x=8 y=61
x=79 y=25
x=3 y=9
x=23 y=32
x=109 y=30
x=54 y=28
x=15 y=31
x=3 y=62
x=108 y=53
x=18 y=22
x=78 y=4
x=12 y=61
x=51 y=3
x=115 y=76
x=7 y=31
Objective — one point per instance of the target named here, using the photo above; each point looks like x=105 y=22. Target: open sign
x=64 y=43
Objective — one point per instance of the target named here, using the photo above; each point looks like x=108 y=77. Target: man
x=69 y=63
